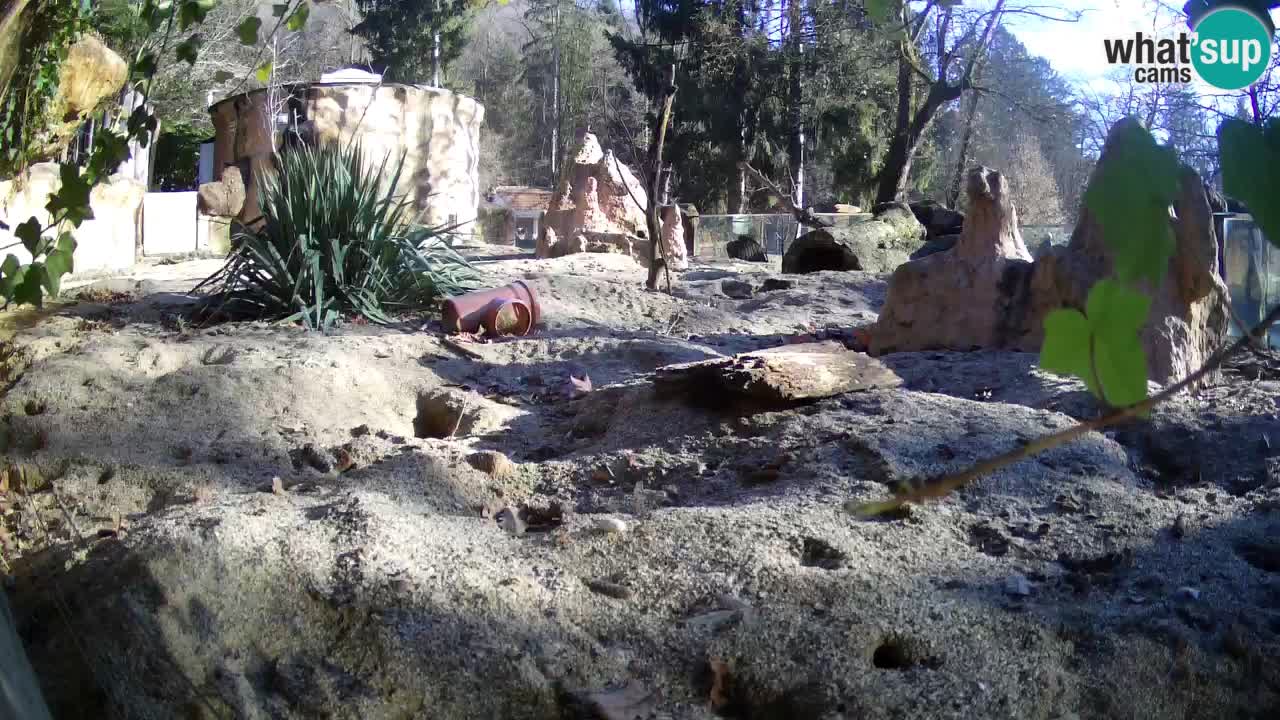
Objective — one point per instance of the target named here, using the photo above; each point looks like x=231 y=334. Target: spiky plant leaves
x=335 y=239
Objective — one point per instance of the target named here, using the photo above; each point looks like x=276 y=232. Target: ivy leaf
x=144 y=66
x=263 y=73
x=248 y=30
x=11 y=272
x=1115 y=312
x=1251 y=171
x=1066 y=345
x=59 y=263
x=298 y=19
x=30 y=235
x=1130 y=200
x=1116 y=315
x=188 y=49
x=27 y=283
x=110 y=148
x=142 y=125
x=1122 y=370
x=72 y=197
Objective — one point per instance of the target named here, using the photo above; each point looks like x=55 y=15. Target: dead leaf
x=579 y=387
x=719 y=684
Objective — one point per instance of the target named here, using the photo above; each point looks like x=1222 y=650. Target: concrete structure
x=438 y=132
x=512 y=214
x=109 y=241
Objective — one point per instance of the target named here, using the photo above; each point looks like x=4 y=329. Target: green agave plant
x=334 y=240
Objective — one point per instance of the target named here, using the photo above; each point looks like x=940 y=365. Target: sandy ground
x=254 y=521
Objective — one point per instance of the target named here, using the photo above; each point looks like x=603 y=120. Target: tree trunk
x=654 y=176
x=962 y=159
x=897 y=164
x=555 y=100
x=795 y=149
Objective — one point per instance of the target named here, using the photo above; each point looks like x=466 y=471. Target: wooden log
x=784 y=374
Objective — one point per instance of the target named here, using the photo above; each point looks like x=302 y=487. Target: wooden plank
x=783 y=374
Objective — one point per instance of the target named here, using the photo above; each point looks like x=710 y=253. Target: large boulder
x=222 y=198
x=987 y=293
x=874 y=243
x=938 y=220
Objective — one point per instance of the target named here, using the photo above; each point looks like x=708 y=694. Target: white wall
x=169 y=223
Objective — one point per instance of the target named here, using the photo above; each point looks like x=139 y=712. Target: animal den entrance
x=825 y=257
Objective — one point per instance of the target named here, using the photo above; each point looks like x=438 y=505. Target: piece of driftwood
x=782 y=374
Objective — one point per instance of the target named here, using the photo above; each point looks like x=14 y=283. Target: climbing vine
x=52 y=244
x=51 y=31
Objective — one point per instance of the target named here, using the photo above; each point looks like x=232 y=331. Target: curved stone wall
x=439 y=132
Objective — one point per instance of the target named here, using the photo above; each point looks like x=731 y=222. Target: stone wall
x=438 y=131
x=110 y=241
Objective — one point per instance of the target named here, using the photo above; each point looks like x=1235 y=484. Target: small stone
x=736 y=289
x=1017 y=585
x=1180 y=527
x=610 y=525
x=1235 y=641
x=510 y=521
x=1187 y=593
x=492 y=463
x=360 y=431
x=773 y=284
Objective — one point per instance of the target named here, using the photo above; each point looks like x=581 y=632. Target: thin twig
x=803 y=215
x=933 y=488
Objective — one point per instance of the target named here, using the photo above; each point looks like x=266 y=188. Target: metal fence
x=775 y=233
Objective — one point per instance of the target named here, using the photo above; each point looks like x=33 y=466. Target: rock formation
x=877 y=243
x=673 y=247
x=222 y=198
x=598 y=197
x=987 y=293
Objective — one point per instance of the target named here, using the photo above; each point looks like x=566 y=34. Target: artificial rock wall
x=439 y=132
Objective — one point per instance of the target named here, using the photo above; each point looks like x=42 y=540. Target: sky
x=1075 y=49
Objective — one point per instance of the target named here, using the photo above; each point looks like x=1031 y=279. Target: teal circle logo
x=1231 y=48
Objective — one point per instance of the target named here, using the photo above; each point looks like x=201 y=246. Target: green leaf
x=59 y=263
x=10 y=275
x=222 y=76
x=72 y=197
x=279 y=10
x=248 y=31
x=298 y=19
x=1251 y=171
x=144 y=66
x=1116 y=315
x=188 y=49
x=26 y=289
x=142 y=125
x=1130 y=198
x=263 y=73
x=1066 y=345
x=1122 y=369
x=29 y=233
x=110 y=148
x=1115 y=312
